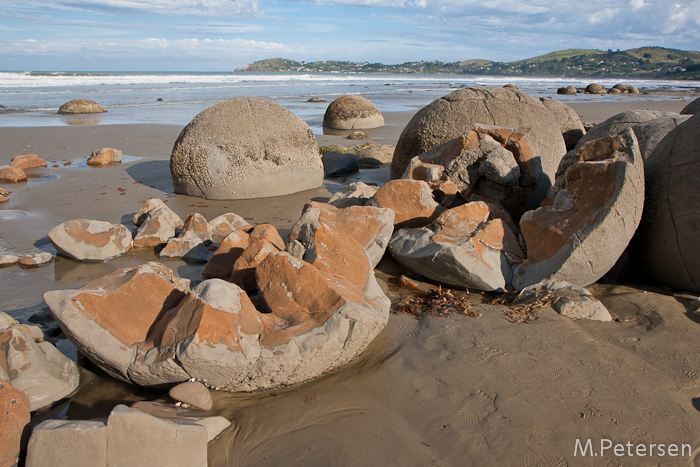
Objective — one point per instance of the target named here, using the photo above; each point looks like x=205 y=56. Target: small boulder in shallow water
x=90 y=240
x=12 y=174
x=81 y=106
x=104 y=156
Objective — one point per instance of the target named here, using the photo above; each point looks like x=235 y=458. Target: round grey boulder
x=569 y=122
x=453 y=115
x=595 y=88
x=669 y=229
x=81 y=106
x=245 y=147
x=692 y=108
x=352 y=112
x=616 y=124
x=567 y=90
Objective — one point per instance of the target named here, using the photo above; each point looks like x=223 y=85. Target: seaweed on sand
x=437 y=302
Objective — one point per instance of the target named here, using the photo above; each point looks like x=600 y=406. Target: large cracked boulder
x=90 y=240
x=455 y=114
x=467 y=246
x=589 y=217
x=669 y=230
x=486 y=163
x=351 y=112
x=617 y=123
x=310 y=320
x=245 y=147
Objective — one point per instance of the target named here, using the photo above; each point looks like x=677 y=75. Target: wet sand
x=439 y=391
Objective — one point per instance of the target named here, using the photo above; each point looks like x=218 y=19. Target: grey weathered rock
x=227 y=223
x=569 y=122
x=595 y=88
x=467 y=246
x=650 y=133
x=568 y=90
x=145 y=434
x=668 y=233
x=192 y=393
x=338 y=164
x=455 y=114
x=245 y=147
x=90 y=240
x=352 y=112
x=692 y=108
x=375 y=155
x=157 y=229
x=152 y=204
x=81 y=106
x=354 y=194
x=78 y=443
x=567 y=299
x=36 y=367
x=188 y=246
x=589 y=217
x=614 y=125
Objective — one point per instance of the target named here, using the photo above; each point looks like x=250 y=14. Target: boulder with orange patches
x=411 y=200
x=469 y=246
x=589 y=216
x=90 y=240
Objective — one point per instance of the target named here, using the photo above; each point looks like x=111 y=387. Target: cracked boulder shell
x=245 y=147
x=141 y=325
x=453 y=115
x=590 y=215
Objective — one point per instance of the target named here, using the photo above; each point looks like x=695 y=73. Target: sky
x=222 y=35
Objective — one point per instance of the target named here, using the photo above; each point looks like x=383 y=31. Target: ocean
x=32 y=98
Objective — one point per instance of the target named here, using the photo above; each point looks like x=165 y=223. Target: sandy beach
x=444 y=391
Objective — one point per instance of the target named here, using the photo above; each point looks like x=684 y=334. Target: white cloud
x=160 y=7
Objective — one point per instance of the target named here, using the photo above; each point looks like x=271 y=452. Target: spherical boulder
x=569 y=122
x=455 y=114
x=692 y=108
x=669 y=228
x=352 y=112
x=595 y=88
x=616 y=124
x=567 y=90
x=245 y=147
x=81 y=106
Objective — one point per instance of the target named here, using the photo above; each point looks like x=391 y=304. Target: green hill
x=643 y=62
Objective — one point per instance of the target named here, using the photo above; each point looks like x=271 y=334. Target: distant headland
x=643 y=62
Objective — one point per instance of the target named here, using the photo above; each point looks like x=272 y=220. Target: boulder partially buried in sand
x=669 y=231
x=352 y=112
x=455 y=114
x=245 y=147
x=81 y=106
